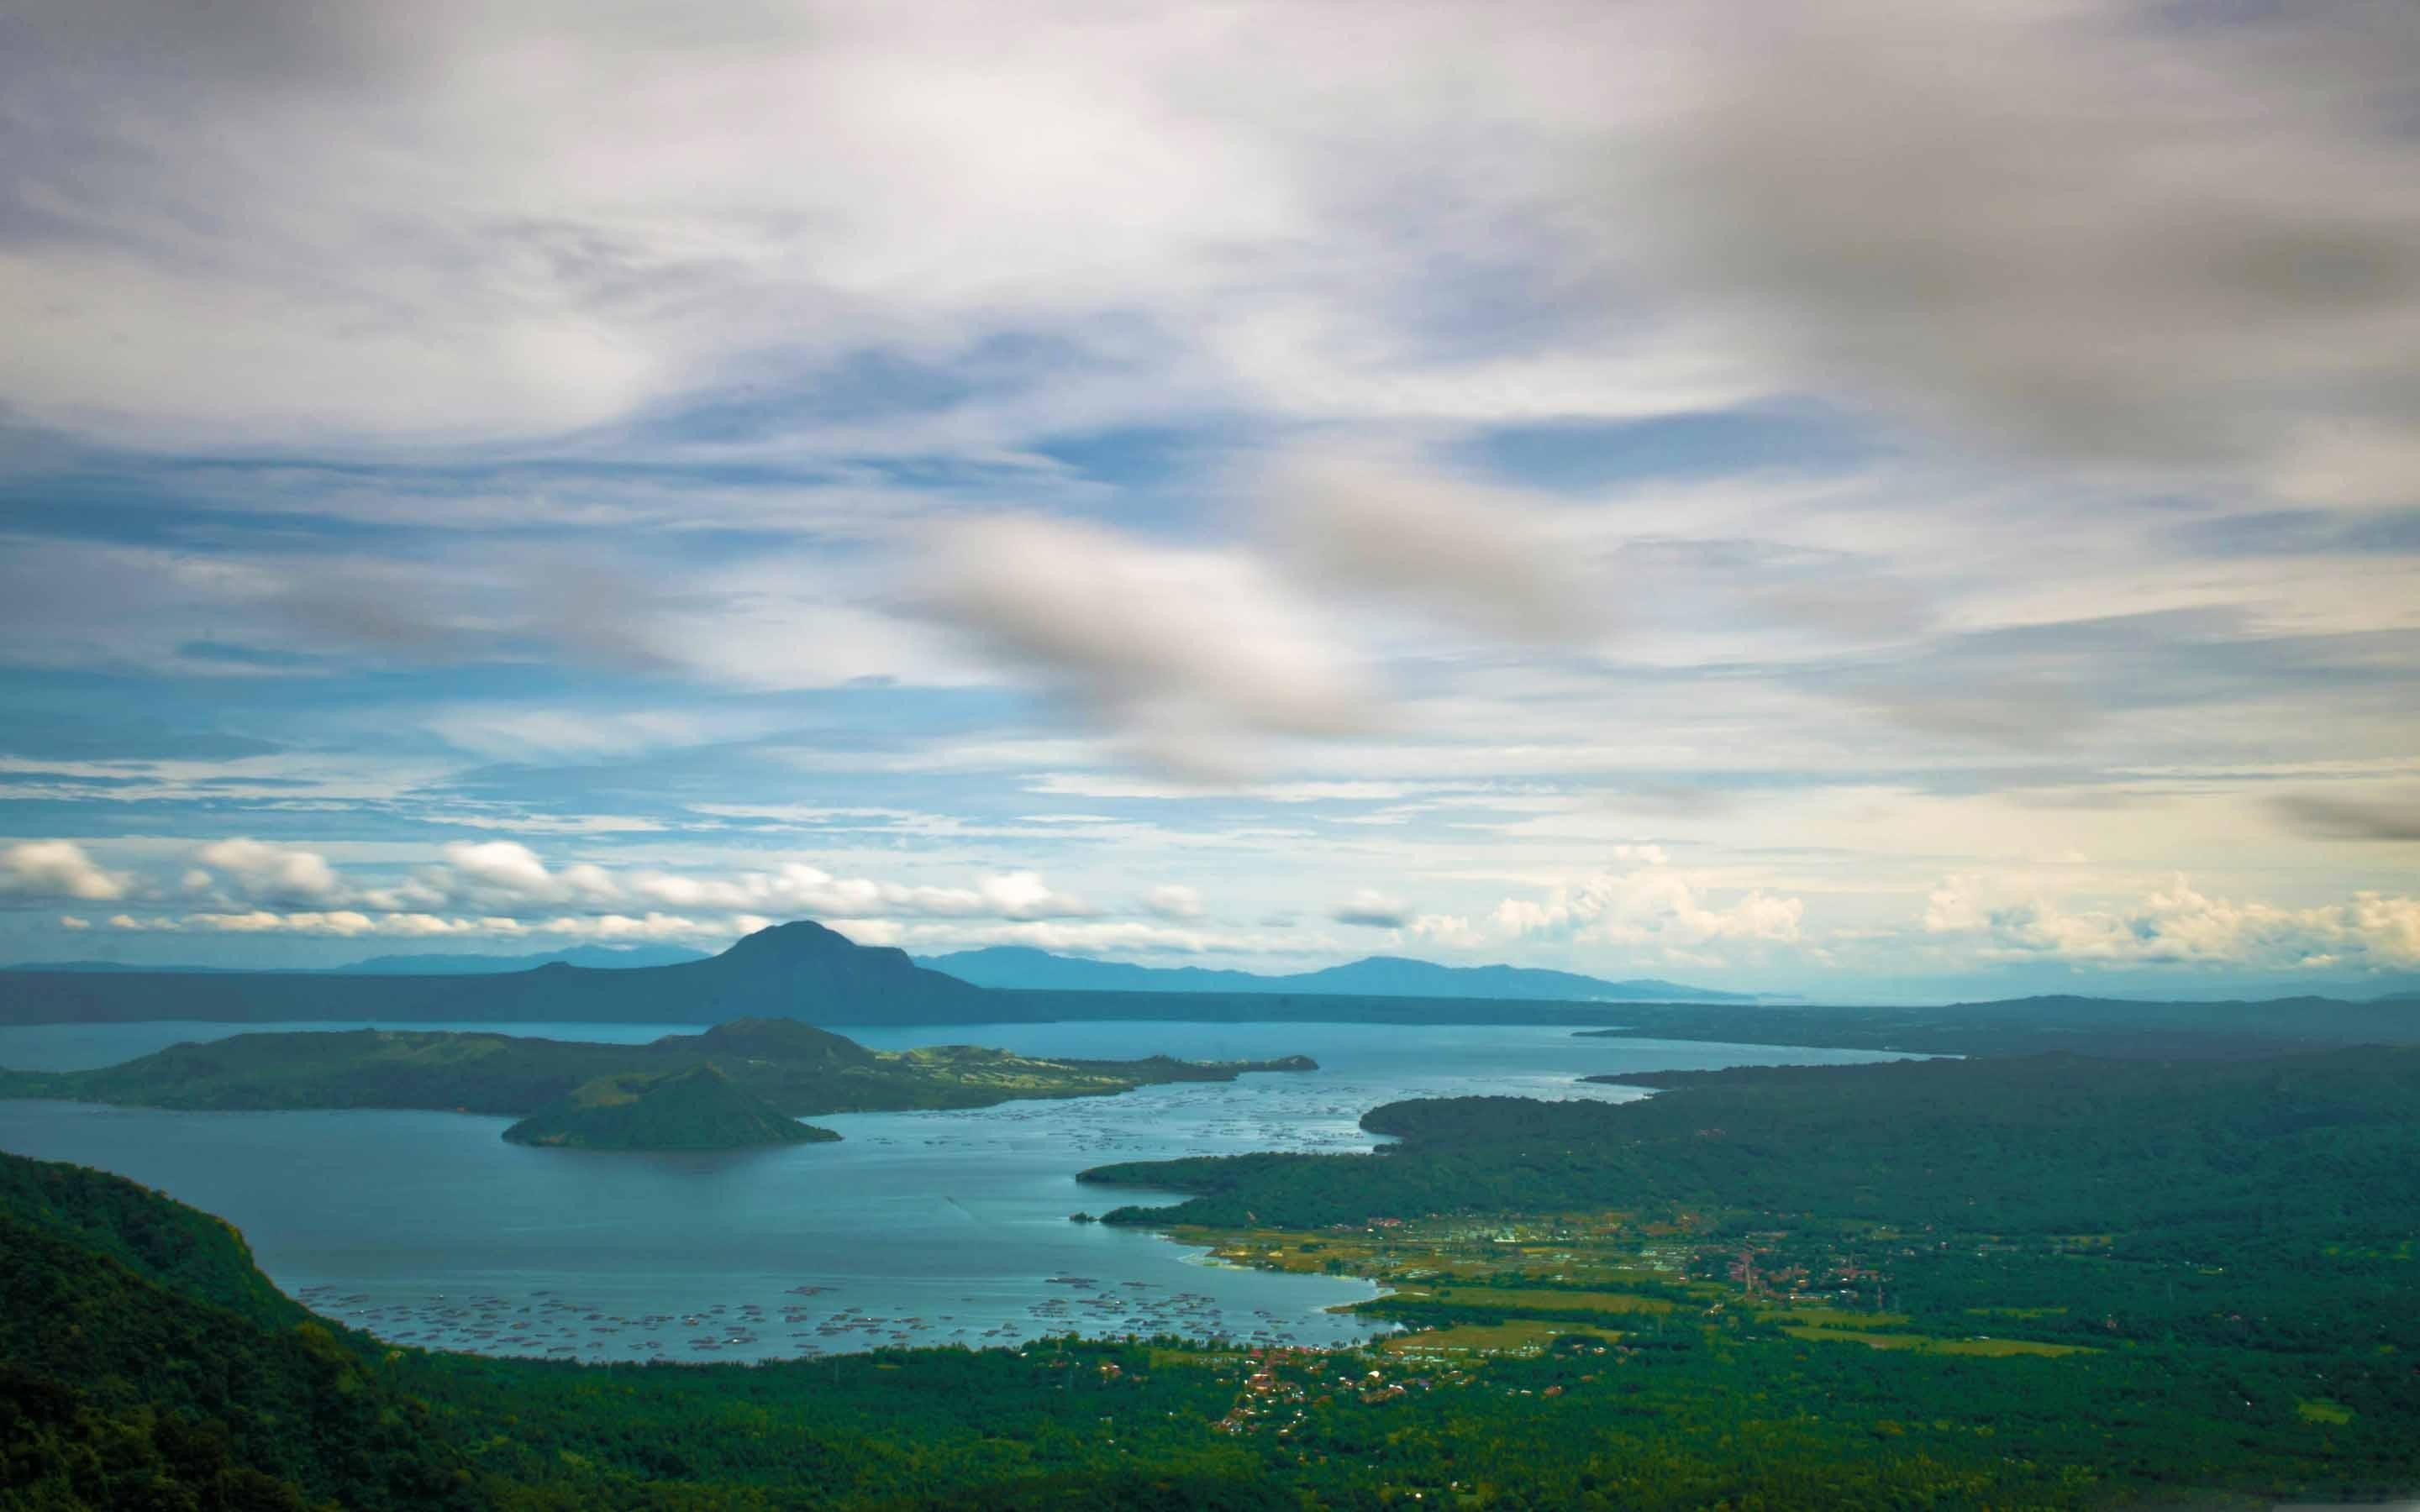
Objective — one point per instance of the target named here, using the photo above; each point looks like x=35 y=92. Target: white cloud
x=70 y=921
x=1652 y=905
x=800 y=889
x=1173 y=901
x=1369 y=908
x=1449 y=932
x=56 y=869
x=2350 y=466
x=2098 y=228
x=650 y=926
x=2090 y=224
x=2177 y=925
x=1104 y=937
x=507 y=871
x=1104 y=785
x=560 y=735
x=503 y=886
x=511 y=877
x=504 y=865
x=271 y=873
x=350 y=923
x=2088 y=228
x=341 y=922
x=1487 y=555
x=1179 y=649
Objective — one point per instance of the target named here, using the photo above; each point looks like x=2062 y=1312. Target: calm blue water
x=918 y=1228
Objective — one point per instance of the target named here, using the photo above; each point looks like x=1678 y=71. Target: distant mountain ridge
x=798 y=970
x=804 y=973
x=597 y=957
x=594 y=957
x=1024 y=968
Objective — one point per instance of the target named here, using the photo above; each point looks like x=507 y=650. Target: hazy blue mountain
x=800 y=970
x=117 y=966
x=1020 y=966
x=1379 y=976
x=603 y=957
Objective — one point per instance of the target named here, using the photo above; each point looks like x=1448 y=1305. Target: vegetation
x=693 y=1109
x=145 y=1362
x=2050 y=1144
x=2051 y=1282
x=777 y=1066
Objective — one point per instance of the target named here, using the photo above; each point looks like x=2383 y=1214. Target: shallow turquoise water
x=917 y=1227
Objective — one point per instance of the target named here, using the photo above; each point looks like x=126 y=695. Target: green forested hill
x=144 y=1363
x=165 y=1242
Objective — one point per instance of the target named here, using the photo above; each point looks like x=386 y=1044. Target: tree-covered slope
x=142 y=1367
x=165 y=1242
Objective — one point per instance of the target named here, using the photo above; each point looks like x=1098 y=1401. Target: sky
x=1859 y=501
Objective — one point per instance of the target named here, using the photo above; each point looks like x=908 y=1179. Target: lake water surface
x=916 y=1228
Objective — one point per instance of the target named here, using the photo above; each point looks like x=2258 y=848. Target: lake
x=916 y=1228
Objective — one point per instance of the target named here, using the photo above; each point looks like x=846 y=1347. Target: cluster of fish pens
x=547 y=1325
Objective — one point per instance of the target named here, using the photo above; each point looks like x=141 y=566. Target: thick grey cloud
x=2116 y=231
x=1372 y=909
x=2048 y=685
x=1180 y=649
x=1485 y=556
x=2370 y=819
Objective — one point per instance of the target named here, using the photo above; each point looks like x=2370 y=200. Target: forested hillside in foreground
x=1607 y=1319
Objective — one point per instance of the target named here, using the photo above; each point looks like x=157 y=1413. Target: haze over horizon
x=1924 y=504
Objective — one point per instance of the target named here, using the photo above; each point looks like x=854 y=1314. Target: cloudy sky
x=1857 y=499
